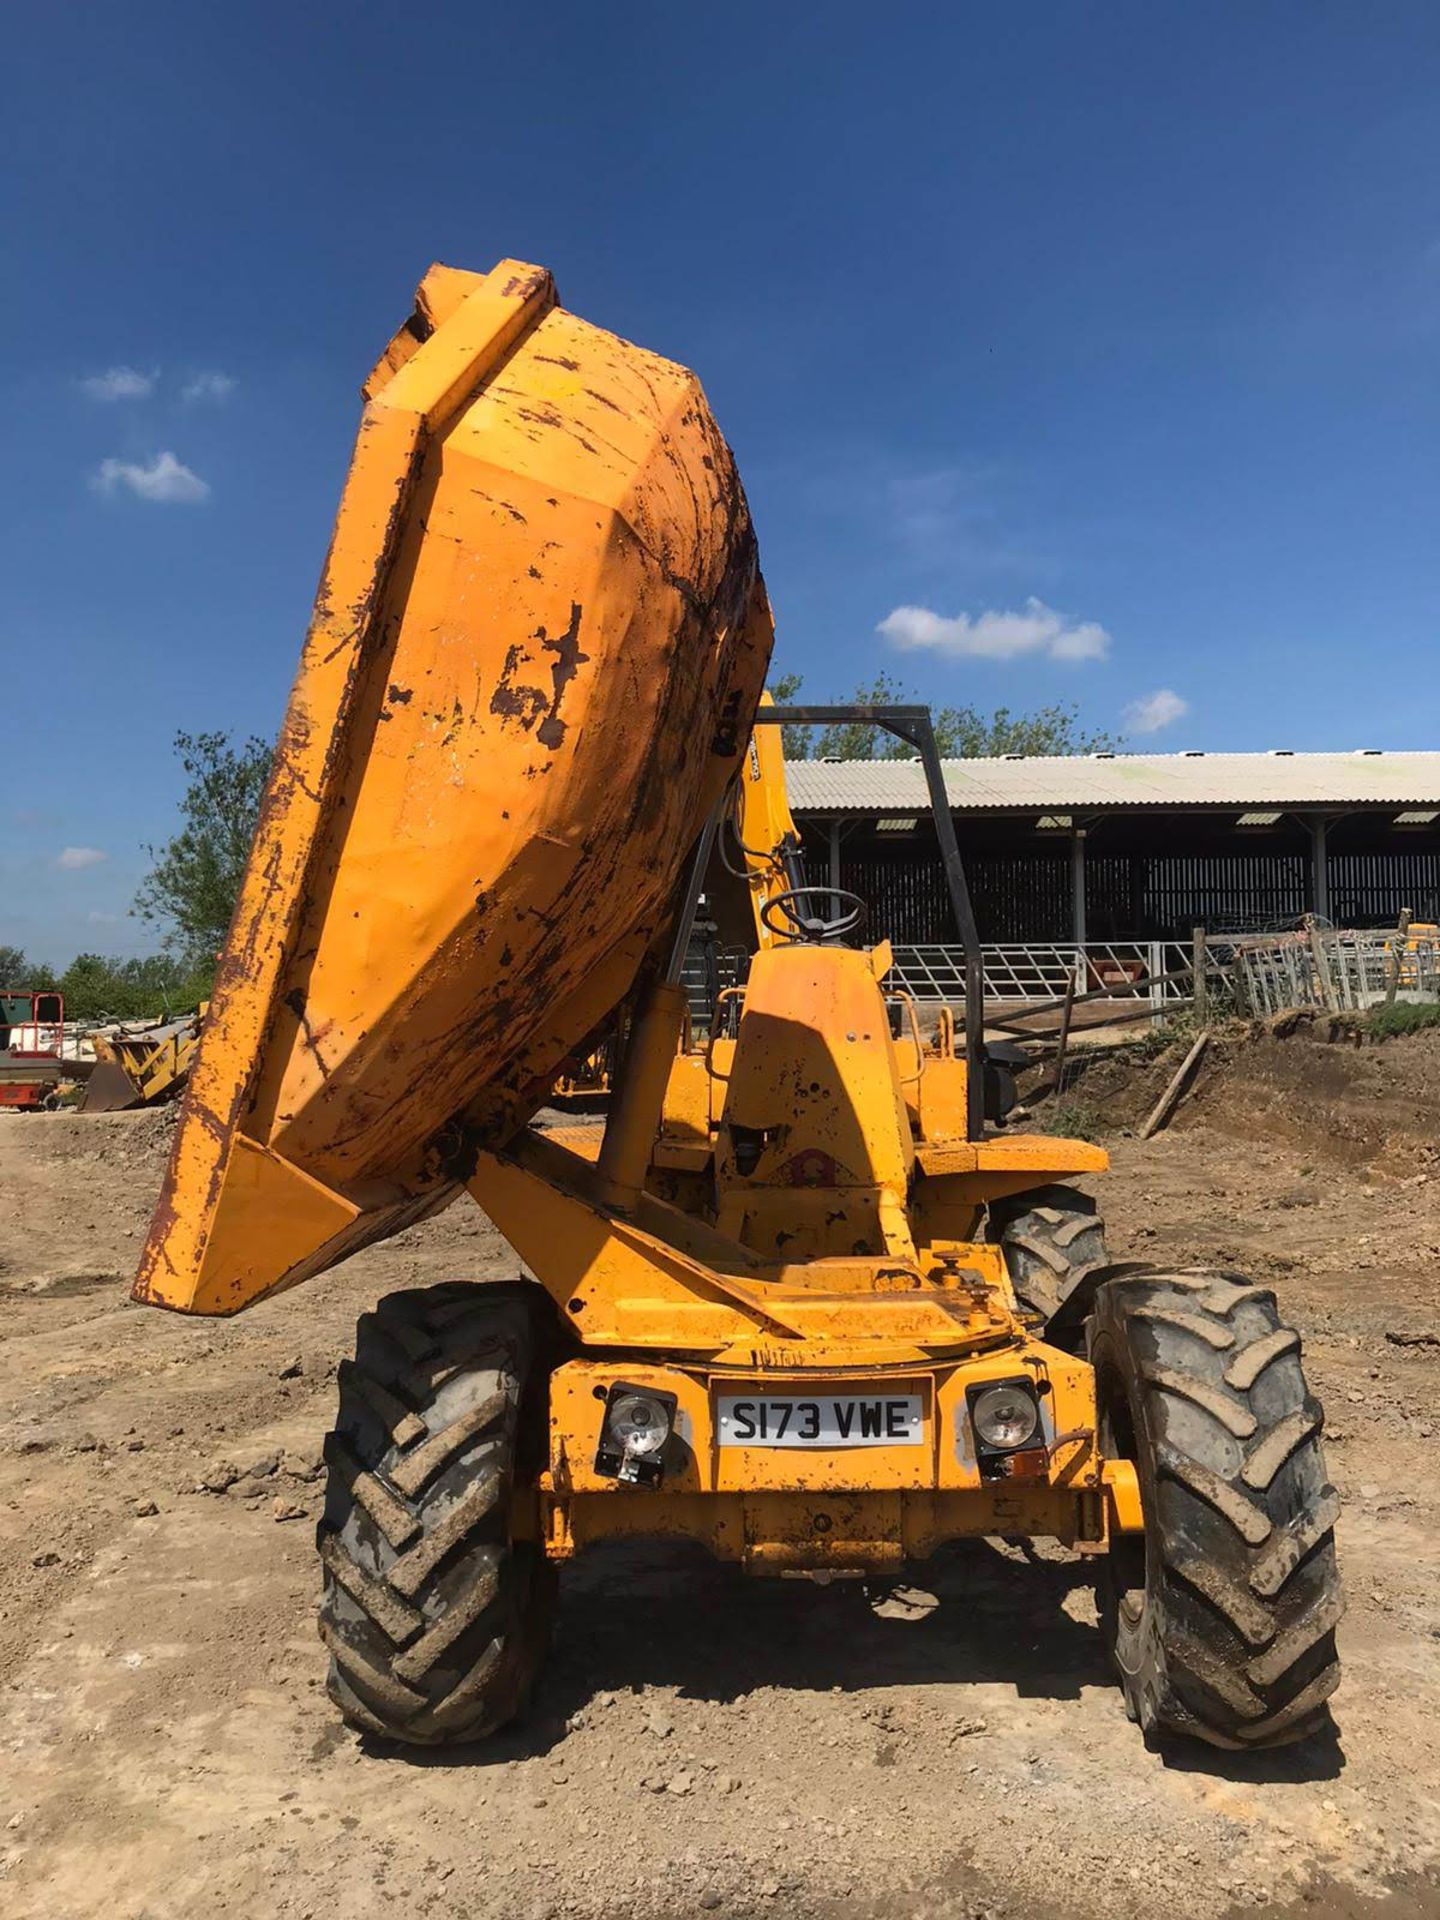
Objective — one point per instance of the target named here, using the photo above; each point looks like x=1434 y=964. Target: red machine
x=31 y=1028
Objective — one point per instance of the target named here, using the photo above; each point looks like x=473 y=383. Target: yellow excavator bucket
x=536 y=650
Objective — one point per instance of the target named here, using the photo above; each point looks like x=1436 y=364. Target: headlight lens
x=638 y=1424
x=1005 y=1417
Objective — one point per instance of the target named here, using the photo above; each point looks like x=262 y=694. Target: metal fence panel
x=1339 y=968
x=1032 y=973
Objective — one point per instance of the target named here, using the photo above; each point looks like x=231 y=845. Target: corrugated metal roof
x=1062 y=782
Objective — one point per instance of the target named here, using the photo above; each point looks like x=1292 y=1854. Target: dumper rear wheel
x=435 y=1617
x=1051 y=1237
x=1221 y=1618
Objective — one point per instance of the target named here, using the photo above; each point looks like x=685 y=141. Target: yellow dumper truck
x=805 y=1299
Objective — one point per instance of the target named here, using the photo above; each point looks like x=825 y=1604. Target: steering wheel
x=786 y=915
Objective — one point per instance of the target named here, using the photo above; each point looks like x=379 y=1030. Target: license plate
x=828 y=1420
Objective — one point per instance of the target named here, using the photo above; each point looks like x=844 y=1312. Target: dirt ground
x=949 y=1747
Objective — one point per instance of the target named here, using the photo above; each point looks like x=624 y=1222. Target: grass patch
x=1154 y=1041
x=1073 y=1120
x=1406 y=1016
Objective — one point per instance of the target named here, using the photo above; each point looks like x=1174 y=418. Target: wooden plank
x=1322 y=970
x=1050 y=1034
x=1402 y=930
x=1056 y=1081
x=1170 y=1098
x=1132 y=990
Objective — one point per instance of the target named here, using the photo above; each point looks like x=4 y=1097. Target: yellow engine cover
x=814 y=1150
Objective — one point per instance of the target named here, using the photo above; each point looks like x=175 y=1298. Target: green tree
x=194 y=880
x=97 y=988
x=961 y=733
x=91 y=992
x=784 y=692
x=17 y=970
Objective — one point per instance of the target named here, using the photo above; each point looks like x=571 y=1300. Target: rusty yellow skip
x=144 y=1066
x=806 y=1299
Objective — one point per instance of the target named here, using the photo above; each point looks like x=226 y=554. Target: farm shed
x=1129 y=847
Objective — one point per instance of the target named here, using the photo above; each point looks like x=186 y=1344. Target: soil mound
x=1319 y=1084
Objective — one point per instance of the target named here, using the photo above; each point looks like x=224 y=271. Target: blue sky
x=1071 y=352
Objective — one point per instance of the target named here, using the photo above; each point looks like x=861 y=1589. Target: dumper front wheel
x=435 y=1616
x=1221 y=1617
x=1051 y=1237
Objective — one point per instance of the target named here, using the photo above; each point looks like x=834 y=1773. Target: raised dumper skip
x=806 y=1300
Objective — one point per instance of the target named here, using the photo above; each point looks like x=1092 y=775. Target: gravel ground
x=950 y=1746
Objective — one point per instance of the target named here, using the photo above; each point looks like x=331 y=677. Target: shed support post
x=1319 y=867
x=1077 y=887
x=835 y=852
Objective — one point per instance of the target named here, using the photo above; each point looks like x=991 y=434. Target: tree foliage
x=96 y=988
x=785 y=692
x=961 y=733
x=194 y=880
x=16 y=970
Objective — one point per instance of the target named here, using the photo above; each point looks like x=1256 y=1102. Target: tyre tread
x=1235 y=1642
x=434 y=1620
x=1051 y=1238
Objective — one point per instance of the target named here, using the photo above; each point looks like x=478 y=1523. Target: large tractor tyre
x=436 y=1619
x=1051 y=1237
x=1221 y=1617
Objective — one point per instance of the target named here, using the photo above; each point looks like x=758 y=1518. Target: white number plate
x=829 y=1420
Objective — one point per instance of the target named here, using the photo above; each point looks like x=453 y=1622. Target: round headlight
x=1005 y=1417
x=638 y=1424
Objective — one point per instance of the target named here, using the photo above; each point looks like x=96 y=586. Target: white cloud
x=208 y=386
x=120 y=383
x=98 y=919
x=994 y=635
x=166 y=480
x=1152 y=711
x=74 y=858
x=949 y=513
